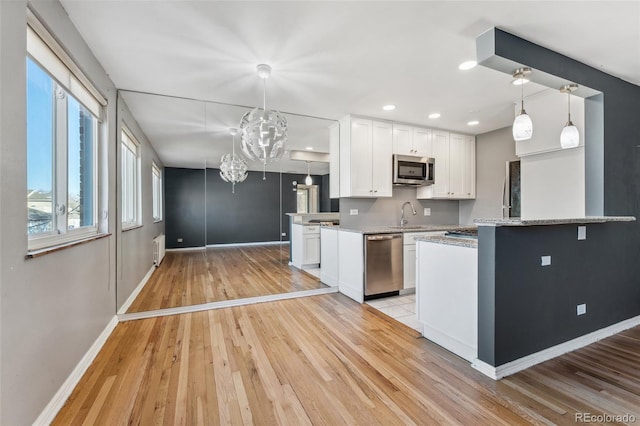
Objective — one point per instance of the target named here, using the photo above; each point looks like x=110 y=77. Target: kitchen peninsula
x=544 y=287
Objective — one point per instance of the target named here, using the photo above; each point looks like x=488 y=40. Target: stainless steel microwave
x=412 y=170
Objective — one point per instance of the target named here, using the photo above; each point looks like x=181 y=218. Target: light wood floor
x=186 y=278
x=326 y=360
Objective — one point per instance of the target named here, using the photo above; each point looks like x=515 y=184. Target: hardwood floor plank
x=328 y=360
x=187 y=278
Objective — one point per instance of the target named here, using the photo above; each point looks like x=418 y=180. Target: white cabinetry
x=365 y=157
x=329 y=256
x=408 y=140
x=409 y=267
x=305 y=245
x=455 y=167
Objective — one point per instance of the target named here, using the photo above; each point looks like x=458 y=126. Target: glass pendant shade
x=308 y=180
x=522 y=127
x=570 y=137
x=233 y=169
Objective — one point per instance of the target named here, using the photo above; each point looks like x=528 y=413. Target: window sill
x=157 y=221
x=131 y=228
x=32 y=254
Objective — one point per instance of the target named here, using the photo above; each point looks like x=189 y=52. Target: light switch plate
x=353 y=212
x=581 y=309
x=582 y=232
x=545 y=260
x=427 y=211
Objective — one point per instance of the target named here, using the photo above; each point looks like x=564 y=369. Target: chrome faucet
x=403 y=220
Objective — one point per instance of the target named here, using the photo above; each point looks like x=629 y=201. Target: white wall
x=552 y=178
x=53 y=307
x=553 y=185
x=493 y=150
x=135 y=250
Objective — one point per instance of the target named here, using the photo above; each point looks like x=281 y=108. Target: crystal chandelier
x=263 y=132
x=233 y=169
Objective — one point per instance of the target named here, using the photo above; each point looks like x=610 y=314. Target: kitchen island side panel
x=535 y=306
x=486 y=294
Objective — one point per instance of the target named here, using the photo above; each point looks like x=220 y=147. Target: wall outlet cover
x=581 y=309
x=427 y=211
x=179 y=240
x=284 y=234
x=353 y=212
x=545 y=260
x=582 y=232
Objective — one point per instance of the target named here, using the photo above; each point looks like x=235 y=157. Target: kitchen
x=49 y=320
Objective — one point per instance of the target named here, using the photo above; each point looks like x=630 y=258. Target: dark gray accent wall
x=256 y=212
x=184 y=207
x=525 y=307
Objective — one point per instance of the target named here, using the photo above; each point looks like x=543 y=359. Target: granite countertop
x=396 y=229
x=537 y=222
x=450 y=240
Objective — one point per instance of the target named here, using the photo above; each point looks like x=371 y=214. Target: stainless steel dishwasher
x=383 y=264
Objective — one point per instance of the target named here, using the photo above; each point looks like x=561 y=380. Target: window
x=130 y=170
x=156 y=179
x=62 y=146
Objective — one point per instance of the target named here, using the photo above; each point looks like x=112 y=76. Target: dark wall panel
x=184 y=207
x=535 y=306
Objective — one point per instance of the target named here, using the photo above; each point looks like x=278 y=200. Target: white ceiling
x=333 y=58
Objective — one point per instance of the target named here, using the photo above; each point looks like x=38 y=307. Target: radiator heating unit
x=158 y=249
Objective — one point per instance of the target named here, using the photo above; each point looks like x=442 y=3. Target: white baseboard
x=450 y=343
x=523 y=363
x=136 y=291
x=186 y=249
x=264 y=243
x=53 y=407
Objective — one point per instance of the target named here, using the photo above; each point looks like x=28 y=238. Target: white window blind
x=157 y=192
x=45 y=50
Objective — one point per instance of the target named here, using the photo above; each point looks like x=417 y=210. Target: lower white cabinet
x=409 y=264
x=305 y=245
x=329 y=256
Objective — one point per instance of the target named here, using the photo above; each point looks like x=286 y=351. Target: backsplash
x=386 y=211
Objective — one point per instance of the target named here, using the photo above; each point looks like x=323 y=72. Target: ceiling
x=330 y=59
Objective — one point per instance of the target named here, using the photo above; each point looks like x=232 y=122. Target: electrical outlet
x=179 y=240
x=353 y=212
x=284 y=234
x=582 y=232
x=545 y=260
x=581 y=309
x=427 y=211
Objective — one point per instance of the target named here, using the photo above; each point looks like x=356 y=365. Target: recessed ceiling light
x=389 y=107
x=467 y=65
x=434 y=115
x=473 y=123
x=309 y=148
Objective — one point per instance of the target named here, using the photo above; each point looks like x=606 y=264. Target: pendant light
x=263 y=132
x=308 y=180
x=522 y=128
x=570 y=137
x=233 y=169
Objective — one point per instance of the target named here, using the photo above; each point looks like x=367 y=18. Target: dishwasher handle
x=383 y=237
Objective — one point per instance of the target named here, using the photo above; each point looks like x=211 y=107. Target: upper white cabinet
x=408 y=140
x=365 y=157
x=334 y=161
x=455 y=167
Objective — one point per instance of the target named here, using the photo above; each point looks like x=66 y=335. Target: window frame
x=60 y=233
x=156 y=193
x=133 y=194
